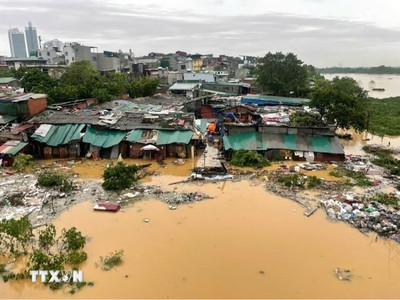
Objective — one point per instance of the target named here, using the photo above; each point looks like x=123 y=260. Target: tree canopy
x=81 y=80
x=282 y=74
x=341 y=102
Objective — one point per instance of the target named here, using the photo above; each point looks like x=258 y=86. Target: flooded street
x=244 y=243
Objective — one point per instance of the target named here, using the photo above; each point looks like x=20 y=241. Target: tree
x=35 y=81
x=63 y=93
x=282 y=74
x=341 y=102
x=117 y=84
x=83 y=76
x=143 y=87
x=302 y=118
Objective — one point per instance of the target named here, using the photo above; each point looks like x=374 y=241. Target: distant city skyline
x=31 y=38
x=320 y=32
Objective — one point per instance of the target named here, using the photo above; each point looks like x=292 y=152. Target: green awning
x=321 y=144
x=290 y=142
x=244 y=141
x=59 y=134
x=135 y=136
x=166 y=137
x=4 y=119
x=12 y=147
x=103 y=138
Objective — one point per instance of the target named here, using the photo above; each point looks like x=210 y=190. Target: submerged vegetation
x=22 y=161
x=384 y=116
x=358 y=178
x=112 y=260
x=384 y=158
x=47 y=251
x=248 y=158
x=300 y=181
x=119 y=177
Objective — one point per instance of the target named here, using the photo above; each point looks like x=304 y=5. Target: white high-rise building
x=17 y=43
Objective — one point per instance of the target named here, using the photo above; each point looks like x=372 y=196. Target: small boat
x=378 y=89
x=107 y=207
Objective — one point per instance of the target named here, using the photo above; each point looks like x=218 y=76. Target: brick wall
x=36 y=106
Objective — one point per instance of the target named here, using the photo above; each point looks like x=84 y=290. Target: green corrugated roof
x=12 y=147
x=245 y=141
x=169 y=137
x=4 y=80
x=321 y=144
x=290 y=141
x=103 y=138
x=60 y=134
x=278 y=98
x=4 y=119
x=262 y=141
x=135 y=136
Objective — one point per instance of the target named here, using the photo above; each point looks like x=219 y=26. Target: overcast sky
x=320 y=32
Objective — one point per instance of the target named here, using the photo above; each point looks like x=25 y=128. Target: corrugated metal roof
x=170 y=137
x=103 y=138
x=12 y=147
x=183 y=86
x=135 y=136
x=4 y=80
x=273 y=100
x=4 y=119
x=58 y=134
x=265 y=141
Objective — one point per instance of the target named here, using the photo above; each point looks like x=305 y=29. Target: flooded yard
x=243 y=243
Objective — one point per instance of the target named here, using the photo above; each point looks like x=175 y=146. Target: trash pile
x=371 y=216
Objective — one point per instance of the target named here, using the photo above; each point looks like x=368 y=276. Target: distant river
x=391 y=83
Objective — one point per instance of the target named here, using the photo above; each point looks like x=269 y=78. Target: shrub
x=22 y=161
x=119 y=177
x=111 y=260
x=292 y=180
x=76 y=257
x=386 y=199
x=53 y=179
x=313 y=181
x=248 y=158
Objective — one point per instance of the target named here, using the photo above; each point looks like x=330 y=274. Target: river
x=391 y=83
x=243 y=243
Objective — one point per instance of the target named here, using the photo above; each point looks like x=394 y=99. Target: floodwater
x=359 y=140
x=243 y=243
x=391 y=83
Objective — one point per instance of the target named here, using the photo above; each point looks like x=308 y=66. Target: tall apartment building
x=17 y=43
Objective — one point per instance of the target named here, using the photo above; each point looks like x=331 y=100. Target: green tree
x=302 y=118
x=341 y=102
x=63 y=93
x=83 y=76
x=282 y=74
x=143 y=87
x=35 y=81
x=117 y=84
x=47 y=237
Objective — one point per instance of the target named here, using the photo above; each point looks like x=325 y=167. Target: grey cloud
x=144 y=29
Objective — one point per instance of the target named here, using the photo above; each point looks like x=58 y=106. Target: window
x=66 y=53
x=183 y=67
x=94 y=58
x=73 y=58
x=48 y=53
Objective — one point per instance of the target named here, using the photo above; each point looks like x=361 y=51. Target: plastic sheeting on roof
x=170 y=137
x=55 y=135
x=265 y=141
x=12 y=147
x=103 y=138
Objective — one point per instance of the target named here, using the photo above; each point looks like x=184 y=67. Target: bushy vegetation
x=300 y=181
x=247 y=158
x=384 y=116
x=22 y=161
x=53 y=179
x=81 y=80
x=119 y=177
x=112 y=260
x=387 y=161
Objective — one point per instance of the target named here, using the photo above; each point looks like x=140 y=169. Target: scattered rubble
x=343 y=274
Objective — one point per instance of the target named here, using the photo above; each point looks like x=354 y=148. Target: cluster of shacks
x=86 y=128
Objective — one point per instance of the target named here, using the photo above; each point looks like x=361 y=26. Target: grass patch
x=387 y=161
x=359 y=177
x=386 y=199
x=111 y=260
x=247 y=158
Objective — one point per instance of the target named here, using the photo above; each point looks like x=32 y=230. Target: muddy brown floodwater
x=244 y=243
